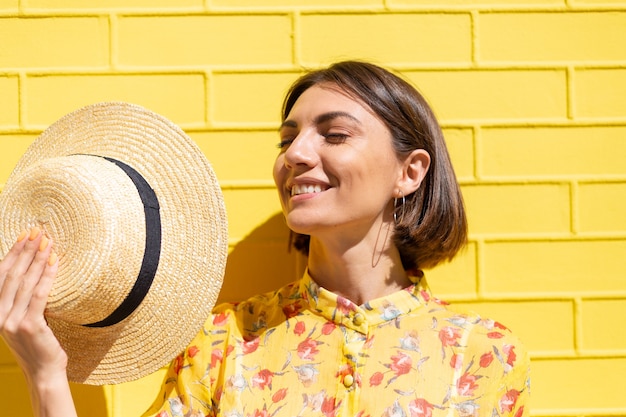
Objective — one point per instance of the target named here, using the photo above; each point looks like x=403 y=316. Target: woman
x=366 y=186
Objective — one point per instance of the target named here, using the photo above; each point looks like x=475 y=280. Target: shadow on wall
x=261 y=262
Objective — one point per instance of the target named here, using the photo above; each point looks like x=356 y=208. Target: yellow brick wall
x=531 y=94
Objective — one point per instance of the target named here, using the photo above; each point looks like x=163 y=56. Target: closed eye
x=335 y=138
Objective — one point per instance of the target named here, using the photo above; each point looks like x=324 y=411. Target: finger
x=42 y=290
x=32 y=278
x=13 y=253
x=15 y=274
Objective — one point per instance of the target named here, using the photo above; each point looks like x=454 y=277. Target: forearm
x=52 y=398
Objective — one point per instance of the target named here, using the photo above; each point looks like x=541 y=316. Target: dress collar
x=342 y=311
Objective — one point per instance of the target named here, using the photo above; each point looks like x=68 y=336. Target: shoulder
x=259 y=309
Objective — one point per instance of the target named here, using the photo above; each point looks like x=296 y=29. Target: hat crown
x=96 y=201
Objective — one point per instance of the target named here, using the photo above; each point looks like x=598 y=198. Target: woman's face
x=336 y=170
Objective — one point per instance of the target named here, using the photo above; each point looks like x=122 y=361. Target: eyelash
x=332 y=138
x=335 y=138
x=284 y=143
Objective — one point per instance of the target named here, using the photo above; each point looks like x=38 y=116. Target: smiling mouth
x=306 y=189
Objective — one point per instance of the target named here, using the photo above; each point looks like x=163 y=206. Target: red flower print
x=495 y=335
x=307 y=349
x=218 y=355
x=249 y=346
x=362 y=414
x=425 y=295
x=220 y=319
x=280 y=395
x=344 y=370
x=192 y=351
x=456 y=361
x=328 y=328
x=344 y=305
x=486 y=359
x=419 y=407
x=500 y=325
x=520 y=412
x=291 y=310
x=259 y=413
x=376 y=379
x=330 y=407
x=508 y=400
x=369 y=342
x=299 y=328
x=509 y=351
x=449 y=336
x=162 y=414
x=401 y=363
x=178 y=364
x=466 y=385
x=263 y=379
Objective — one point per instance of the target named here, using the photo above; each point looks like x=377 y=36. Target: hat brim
x=193 y=249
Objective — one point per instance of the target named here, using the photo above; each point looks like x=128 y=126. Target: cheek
x=278 y=170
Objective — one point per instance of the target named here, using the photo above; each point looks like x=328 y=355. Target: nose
x=301 y=151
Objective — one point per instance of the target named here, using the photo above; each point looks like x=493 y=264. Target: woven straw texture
x=92 y=211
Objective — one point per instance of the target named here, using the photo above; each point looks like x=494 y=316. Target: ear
x=414 y=169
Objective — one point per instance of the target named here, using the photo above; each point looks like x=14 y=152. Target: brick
x=551 y=36
x=600 y=93
x=91 y=400
x=240 y=99
x=601 y=207
x=14 y=393
x=390 y=38
x=247 y=258
x=288 y=4
x=553 y=268
x=6 y=357
x=460 y=143
x=251 y=40
x=254 y=209
x=240 y=155
x=179 y=97
x=603 y=322
x=13 y=147
x=527 y=208
x=54 y=42
x=582 y=386
x=133 y=398
x=9 y=5
x=528 y=321
x=552 y=151
x=473 y=3
x=110 y=4
x=9 y=105
x=494 y=94
x=455 y=279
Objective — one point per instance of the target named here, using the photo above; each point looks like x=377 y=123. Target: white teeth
x=306 y=189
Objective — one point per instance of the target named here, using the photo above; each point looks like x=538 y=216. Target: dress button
x=348 y=380
x=358 y=319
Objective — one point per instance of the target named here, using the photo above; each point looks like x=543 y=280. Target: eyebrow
x=324 y=117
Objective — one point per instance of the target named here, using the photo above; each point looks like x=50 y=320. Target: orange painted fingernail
x=22 y=236
x=52 y=259
x=34 y=232
x=44 y=243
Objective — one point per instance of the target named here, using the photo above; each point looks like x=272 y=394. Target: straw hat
x=138 y=222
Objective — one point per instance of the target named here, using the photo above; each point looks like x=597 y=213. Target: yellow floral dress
x=304 y=351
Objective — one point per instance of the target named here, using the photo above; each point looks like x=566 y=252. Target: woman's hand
x=26 y=276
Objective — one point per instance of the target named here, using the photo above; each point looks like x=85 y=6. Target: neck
x=359 y=271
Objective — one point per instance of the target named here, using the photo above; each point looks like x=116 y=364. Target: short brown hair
x=432 y=225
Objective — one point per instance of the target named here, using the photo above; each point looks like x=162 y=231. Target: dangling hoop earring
x=395 y=205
